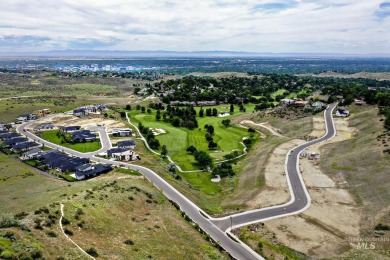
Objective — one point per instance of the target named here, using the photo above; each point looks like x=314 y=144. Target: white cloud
x=344 y=26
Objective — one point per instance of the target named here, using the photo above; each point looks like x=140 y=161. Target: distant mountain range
x=182 y=54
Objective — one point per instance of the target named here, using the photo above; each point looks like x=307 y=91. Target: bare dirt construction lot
x=333 y=216
x=70 y=120
x=276 y=190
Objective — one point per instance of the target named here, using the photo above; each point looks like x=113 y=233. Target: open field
x=138 y=212
x=52 y=136
x=140 y=215
x=24 y=189
x=366 y=75
x=361 y=166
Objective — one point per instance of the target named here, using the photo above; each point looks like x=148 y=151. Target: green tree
x=191 y=149
x=136 y=90
x=203 y=159
x=201 y=112
x=128 y=107
x=149 y=111
x=212 y=145
x=215 y=112
x=231 y=108
x=143 y=109
x=158 y=115
x=164 y=151
x=226 y=122
x=387 y=121
x=92 y=251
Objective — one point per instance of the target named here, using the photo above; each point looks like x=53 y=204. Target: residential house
x=71 y=164
x=111 y=152
x=13 y=141
x=123 y=154
x=79 y=112
x=300 y=102
x=122 y=132
x=7 y=136
x=206 y=103
x=286 y=102
x=20 y=147
x=56 y=160
x=26 y=117
x=8 y=126
x=360 y=102
x=83 y=136
x=182 y=103
x=126 y=156
x=318 y=105
x=342 y=113
x=45 y=127
x=32 y=154
x=89 y=170
x=126 y=144
x=69 y=129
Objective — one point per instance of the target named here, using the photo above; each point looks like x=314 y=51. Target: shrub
x=129 y=242
x=92 y=251
x=9 y=235
x=8 y=221
x=21 y=215
x=6 y=255
x=51 y=234
x=380 y=226
x=68 y=232
x=65 y=221
x=35 y=254
x=24 y=256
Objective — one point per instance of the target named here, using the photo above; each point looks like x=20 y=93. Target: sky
x=283 y=26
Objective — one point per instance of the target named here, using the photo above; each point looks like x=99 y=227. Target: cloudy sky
x=305 y=26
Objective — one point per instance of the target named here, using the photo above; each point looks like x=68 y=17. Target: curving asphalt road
x=300 y=199
x=219 y=228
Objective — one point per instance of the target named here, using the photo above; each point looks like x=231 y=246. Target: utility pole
x=231 y=223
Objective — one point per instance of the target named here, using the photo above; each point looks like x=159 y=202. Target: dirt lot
x=276 y=190
x=324 y=228
x=68 y=120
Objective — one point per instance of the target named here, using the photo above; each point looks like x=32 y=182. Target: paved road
x=217 y=228
x=300 y=199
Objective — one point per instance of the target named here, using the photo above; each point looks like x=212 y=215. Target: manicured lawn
x=201 y=181
x=51 y=136
x=179 y=139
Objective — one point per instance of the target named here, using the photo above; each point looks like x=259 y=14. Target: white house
x=32 y=154
x=26 y=117
x=286 y=101
x=122 y=132
x=318 y=104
